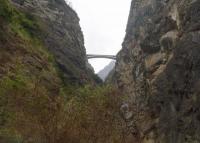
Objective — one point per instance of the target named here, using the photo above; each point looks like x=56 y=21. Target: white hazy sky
x=103 y=23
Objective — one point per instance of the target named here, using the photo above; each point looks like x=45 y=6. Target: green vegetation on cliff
x=35 y=105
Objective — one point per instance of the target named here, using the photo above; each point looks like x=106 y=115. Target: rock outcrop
x=158 y=68
x=62 y=36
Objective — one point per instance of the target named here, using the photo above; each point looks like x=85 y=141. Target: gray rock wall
x=158 y=68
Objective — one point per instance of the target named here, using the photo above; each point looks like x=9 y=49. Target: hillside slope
x=158 y=68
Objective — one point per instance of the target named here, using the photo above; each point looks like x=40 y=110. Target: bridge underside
x=112 y=57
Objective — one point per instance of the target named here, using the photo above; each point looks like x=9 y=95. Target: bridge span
x=92 y=56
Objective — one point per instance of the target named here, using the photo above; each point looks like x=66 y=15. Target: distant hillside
x=104 y=72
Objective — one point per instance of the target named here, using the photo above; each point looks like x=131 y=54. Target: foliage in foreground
x=35 y=107
x=89 y=115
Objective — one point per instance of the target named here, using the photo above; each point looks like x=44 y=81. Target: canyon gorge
x=49 y=92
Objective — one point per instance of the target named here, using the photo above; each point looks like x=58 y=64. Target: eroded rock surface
x=159 y=69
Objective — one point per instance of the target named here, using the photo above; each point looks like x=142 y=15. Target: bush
x=6 y=11
x=89 y=115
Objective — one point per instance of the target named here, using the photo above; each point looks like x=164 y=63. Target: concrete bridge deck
x=92 y=56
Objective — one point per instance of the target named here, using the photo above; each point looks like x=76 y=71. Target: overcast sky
x=103 y=23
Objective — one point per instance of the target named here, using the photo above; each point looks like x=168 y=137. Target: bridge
x=91 y=56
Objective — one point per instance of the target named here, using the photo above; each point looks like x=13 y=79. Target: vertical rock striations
x=158 y=68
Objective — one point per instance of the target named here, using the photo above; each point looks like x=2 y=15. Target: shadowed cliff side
x=158 y=68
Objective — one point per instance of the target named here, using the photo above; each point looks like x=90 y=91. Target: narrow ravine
x=49 y=92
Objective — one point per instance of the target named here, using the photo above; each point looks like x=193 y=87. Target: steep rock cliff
x=62 y=35
x=158 y=68
x=35 y=104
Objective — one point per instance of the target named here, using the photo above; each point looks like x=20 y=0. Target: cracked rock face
x=62 y=35
x=159 y=69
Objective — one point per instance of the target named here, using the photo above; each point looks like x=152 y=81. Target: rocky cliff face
x=62 y=36
x=35 y=104
x=158 y=68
